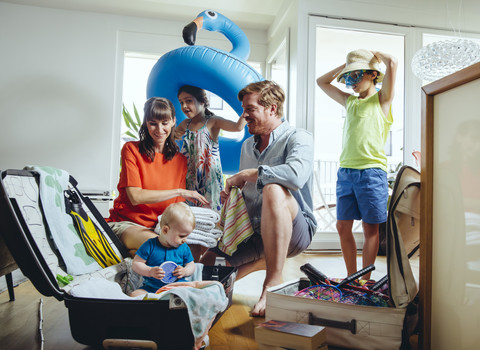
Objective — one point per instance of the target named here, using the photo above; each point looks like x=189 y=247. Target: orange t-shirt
x=139 y=171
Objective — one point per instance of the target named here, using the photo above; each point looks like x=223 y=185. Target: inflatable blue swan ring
x=223 y=73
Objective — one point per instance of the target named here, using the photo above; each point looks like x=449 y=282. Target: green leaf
x=129 y=133
x=133 y=124
x=139 y=122
x=127 y=117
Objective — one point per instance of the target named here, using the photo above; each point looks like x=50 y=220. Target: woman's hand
x=194 y=196
x=137 y=195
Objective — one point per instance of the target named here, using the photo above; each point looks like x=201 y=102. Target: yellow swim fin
x=96 y=245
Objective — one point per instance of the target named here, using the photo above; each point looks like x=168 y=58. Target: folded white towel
x=205 y=233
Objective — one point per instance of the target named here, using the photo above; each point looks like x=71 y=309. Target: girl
x=200 y=144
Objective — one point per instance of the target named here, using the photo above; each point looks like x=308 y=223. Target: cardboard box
x=281 y=334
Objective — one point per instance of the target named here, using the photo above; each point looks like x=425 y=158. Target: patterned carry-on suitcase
x=93 y=320
x=360 y=326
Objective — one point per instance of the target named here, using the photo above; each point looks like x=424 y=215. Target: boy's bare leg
x=349 y=247
x=370 y=246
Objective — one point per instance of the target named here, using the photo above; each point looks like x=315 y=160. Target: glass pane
x=136 y=69
x=433 y=38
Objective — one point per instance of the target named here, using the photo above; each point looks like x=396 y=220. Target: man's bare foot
x=259 y=308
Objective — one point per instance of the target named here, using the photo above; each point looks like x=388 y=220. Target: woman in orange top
x=152 y=176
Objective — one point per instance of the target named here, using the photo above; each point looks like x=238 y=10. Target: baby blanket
x=53 y=182
x=235 y=222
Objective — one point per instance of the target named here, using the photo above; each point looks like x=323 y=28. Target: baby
x=176 y=223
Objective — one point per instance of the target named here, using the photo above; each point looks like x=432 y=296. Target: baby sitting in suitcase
x=166 y=258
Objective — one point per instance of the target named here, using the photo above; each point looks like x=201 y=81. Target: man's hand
x=238 y=180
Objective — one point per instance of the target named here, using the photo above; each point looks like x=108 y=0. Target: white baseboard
x=330 y=241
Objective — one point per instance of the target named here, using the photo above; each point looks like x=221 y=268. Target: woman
x=152 y=176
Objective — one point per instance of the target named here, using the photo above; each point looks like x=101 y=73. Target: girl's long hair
x=199 y=94
x=158 y=109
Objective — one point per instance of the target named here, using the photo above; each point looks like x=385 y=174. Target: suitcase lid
x=27 y=235
x=403 y=235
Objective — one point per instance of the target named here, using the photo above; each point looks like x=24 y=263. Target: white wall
x=60 y=86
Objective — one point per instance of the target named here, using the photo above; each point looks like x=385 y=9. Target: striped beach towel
x=235 y=222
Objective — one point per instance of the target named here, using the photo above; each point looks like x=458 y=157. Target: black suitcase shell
x=94 y=320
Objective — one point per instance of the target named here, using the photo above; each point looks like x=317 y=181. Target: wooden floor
x=19 y=319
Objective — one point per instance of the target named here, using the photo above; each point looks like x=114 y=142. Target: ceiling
x=254 y=14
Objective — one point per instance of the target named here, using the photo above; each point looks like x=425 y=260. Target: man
x=275 y=176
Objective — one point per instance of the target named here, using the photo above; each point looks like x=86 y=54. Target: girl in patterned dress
x=200 y=143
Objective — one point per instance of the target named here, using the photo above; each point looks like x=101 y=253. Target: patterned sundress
x=204 y=172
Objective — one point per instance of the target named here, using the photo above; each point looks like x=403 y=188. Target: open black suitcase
x=92 y=321
x=361 y=326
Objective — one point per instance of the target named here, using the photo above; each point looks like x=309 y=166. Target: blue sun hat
x=361 y=60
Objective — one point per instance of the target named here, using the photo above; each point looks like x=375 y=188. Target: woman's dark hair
x=199 y=94
x=158 y=109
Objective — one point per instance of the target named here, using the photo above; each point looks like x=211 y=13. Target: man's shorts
x=362 y=195
x=252 y=249
x=120 y=226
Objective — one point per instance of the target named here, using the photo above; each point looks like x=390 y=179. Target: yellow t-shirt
x=365 y=132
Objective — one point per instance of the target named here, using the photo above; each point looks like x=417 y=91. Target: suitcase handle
x=348 y=325
x=128 y=344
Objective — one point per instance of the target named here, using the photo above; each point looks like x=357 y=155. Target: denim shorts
x=252 y=249
x=362 y=195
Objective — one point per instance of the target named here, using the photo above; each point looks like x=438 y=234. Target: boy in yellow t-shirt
x=362 y=188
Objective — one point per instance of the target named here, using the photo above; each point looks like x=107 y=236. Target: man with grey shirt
x=276 y=171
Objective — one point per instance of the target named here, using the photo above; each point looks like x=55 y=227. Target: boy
x=176 y=223
x=362 y=188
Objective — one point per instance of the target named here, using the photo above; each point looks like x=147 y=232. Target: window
x=136 y=68
x=429 y=38
x=278 y=71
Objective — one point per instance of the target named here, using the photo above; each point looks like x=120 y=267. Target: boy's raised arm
x=325 y=83
x=387 y=91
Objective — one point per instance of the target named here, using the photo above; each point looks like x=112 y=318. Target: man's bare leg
x=279 y=209
x=242 y=270
x=197 y=251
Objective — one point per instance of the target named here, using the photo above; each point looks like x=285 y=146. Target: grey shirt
x=287 y=161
